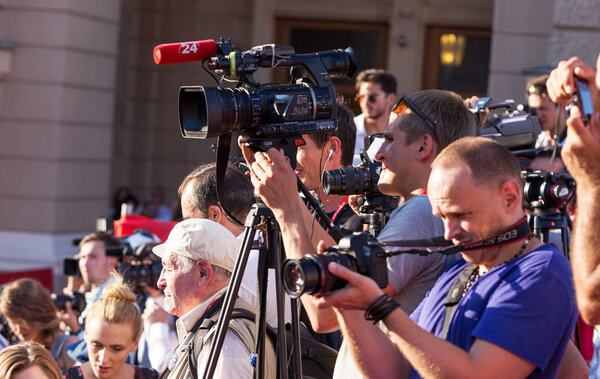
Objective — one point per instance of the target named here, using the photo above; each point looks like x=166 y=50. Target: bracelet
x=380 y=308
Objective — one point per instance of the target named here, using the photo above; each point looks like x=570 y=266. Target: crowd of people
x=505 y=305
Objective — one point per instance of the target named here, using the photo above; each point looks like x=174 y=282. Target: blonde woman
x=112 y=329
x=32 y=315
x=27 y=360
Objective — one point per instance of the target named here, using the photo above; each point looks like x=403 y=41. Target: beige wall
x=83 y=107
x=149 y=149
x=407 y=19
x=530 y=33
x=56 y=124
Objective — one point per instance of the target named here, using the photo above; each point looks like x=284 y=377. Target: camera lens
x=208 y=112
x=310 y=274
x=346 y=181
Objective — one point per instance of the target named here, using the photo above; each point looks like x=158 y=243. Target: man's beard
x=376 y=116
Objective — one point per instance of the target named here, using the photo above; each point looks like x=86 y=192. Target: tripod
x=542 y=220
x=261 y=217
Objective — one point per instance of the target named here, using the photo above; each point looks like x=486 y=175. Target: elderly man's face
x=179 y=281
x=470 y=211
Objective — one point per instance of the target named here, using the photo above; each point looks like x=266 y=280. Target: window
x=457 y=59
x=369 y=41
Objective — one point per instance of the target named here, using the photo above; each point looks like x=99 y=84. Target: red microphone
x=192 y=51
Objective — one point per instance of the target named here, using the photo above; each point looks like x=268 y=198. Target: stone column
x=56 y=126
x=520 y=34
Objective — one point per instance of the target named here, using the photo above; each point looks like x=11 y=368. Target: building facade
x=84 y=109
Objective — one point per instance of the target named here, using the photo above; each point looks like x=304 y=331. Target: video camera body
x=358 y=252
x=514 y=127
x=268 y=115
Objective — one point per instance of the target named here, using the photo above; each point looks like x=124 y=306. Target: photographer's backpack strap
x=456 y=292
x=242 y=325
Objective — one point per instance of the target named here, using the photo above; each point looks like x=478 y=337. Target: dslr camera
x=143 y=270
x=362 y=180
x=77 y=300
x=353 y=180
x=358 y=252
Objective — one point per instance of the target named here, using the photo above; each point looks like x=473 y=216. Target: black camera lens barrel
x=310 y=274
x=345 y=181
x=209 y=111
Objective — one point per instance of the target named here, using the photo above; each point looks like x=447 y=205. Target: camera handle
x=260 y=216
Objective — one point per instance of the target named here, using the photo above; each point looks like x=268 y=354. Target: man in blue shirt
x=514 y=309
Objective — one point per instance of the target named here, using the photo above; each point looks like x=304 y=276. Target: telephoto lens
x=352 y=180
x=310 y=274
x=346 y=181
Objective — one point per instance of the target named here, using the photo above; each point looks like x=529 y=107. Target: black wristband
x=380 y=308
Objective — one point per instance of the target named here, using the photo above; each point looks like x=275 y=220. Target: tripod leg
x=261 y=311
x=230 y=297
x=274 y=246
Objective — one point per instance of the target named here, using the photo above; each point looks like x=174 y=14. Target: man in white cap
x=198 y=258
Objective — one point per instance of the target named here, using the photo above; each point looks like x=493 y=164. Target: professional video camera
x=362 y=180
x=547 y=190
x=358 y=252
x=513 y=127
x=77 y=300
x=268 y=115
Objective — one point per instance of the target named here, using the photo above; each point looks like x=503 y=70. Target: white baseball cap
x=197 y=239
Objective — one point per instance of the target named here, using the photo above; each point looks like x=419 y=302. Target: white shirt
x=248 y=289
x=361 y=133
x=157 y=341
x=234 y=360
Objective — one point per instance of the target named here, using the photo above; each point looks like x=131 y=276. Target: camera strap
x=339 y=209
x=513 y=233
x=223 y=147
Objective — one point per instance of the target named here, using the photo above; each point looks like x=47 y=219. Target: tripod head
x=375 y=209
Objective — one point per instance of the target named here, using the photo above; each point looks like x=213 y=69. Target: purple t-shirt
x=526 y=306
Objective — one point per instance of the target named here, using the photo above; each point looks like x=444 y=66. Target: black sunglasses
x=405 y=105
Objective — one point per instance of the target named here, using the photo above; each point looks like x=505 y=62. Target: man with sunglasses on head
x=376 y=94
x=420 y=127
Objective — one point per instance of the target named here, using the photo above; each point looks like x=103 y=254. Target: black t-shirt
x=346 y=220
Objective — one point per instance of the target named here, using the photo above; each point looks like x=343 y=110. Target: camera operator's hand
x=154 y=313
x=274 y=180
x=470 y=103
x=69 y=318
x=353 y=200
x=561 y=84
x=581 y=152
x=359 y=293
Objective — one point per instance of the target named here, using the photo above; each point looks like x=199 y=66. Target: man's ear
x=510 y=191
x=112 y=261
x=426 y=148
x=334 y=145
x=215 y=213
x=205 y=271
